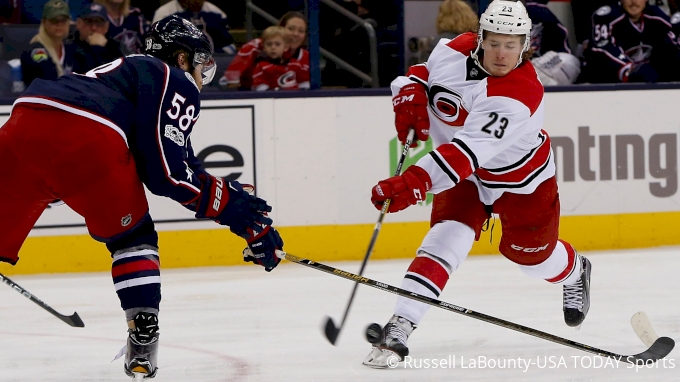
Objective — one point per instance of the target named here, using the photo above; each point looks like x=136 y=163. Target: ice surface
x=243 y=324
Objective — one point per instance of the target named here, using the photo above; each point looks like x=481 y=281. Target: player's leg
x=457 y=219
x=106 y=190
x=530 y=239
x=23 y=192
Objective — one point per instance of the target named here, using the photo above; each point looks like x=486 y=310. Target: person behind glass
x=206 y=16
x=239 y=74
x=92 y=46
x=50 y=56
x=273 y=71
x=631 y=42
x=127 y=25
x=454 y=18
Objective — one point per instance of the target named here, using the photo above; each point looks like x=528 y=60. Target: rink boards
x=316 y=159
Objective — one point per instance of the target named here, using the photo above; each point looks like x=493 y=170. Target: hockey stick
x=331 y=330
x=73 y=320
x=659 y=348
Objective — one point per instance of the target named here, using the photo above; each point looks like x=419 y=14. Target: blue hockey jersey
x=618 y=45
x=151 y=105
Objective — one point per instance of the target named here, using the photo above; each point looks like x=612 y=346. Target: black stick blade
x=331 y=331
x=73 y=320
x=659 y=349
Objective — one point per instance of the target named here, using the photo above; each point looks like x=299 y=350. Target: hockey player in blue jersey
x=94 y=140
x=631 y=42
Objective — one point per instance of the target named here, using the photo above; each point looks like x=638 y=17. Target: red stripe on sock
x=571 y=263
x=431 y=270
x=136 y=266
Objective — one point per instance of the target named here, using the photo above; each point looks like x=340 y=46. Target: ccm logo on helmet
x=219 y=186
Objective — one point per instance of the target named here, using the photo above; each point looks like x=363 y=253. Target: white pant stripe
x=137 y=281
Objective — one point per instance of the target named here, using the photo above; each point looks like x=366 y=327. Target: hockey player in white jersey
x=480 y=99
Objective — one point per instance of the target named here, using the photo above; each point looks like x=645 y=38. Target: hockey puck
x=373 y=333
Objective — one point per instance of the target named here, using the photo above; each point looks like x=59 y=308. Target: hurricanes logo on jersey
x=287 y=80
x=447 y=105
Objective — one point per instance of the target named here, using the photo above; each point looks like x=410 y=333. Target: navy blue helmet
x=173 y=34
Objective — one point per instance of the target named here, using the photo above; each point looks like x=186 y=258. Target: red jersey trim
x=521 y=84
x=464 y=43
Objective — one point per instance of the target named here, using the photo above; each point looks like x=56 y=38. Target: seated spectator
x=273 y=71
x=92 y=46
x=547 y=32
x=455 y=17
x=631 y=42
x=127 y=25
x=239 y=74
x=206 y=16
x=50 y=56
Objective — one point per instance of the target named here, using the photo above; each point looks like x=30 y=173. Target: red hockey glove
x=410 y=109
x=403 y=190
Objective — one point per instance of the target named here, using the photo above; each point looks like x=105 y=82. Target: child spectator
x=274 y=72
x=239 y=74
x=92 y=46
x=50 y=56
x=206 y=16
x=127 y=25
x=631 y=42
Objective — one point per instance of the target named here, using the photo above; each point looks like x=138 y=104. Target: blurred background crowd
x=263 y=45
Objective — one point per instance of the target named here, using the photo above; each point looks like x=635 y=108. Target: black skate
x=576 y=297
x=390 y=348
x=142 y=347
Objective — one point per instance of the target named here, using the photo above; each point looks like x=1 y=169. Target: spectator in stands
x=127 y=25
x=675 y=23
x=206 y=16
x=50 y=55
x=93 y=48
x=455 y=17
x=631 y=42
x=239 y=74
x=274 y=71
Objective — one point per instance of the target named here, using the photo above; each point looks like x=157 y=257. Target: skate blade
x=382 y=359
x=374 y=359
x=139 y=376
x=577 y=328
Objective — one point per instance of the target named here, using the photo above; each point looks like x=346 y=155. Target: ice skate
x=142 y=347
x=577 y=297
x=390 y=348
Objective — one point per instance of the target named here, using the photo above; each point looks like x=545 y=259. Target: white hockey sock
x=444 y=248
x=562 y=267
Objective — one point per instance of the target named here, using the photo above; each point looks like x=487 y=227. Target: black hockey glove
x=228 y=204
x=262 y=246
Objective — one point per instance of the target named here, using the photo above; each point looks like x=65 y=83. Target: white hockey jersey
x=486 y=129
